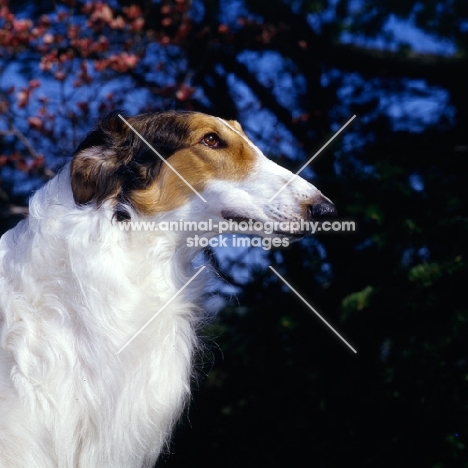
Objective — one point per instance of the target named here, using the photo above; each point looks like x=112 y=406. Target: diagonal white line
x=311 y=308
x=162 y=159
x=161 y=309
x=314 y=156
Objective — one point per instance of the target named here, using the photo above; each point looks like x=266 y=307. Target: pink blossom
x=22 y=25
x=102 y=12
x=48 y=38
x=34 y=84
x=35 y=123
x=22 y=98
x=132 y=11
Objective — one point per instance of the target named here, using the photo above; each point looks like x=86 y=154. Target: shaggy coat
x=75 y=287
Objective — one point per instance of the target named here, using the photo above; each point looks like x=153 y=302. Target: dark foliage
x=277 y=388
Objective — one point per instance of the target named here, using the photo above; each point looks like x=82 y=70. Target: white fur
x=74 y=289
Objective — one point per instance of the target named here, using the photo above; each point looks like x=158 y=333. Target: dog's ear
x=114 y=159
x=98 y=169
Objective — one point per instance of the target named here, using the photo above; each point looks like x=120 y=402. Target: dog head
x=157 y=163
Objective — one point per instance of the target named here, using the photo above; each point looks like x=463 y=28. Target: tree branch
x=27 y=144
x=15 y=132
x=435 y=69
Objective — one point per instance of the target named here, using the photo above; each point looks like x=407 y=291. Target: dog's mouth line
x=242 y=219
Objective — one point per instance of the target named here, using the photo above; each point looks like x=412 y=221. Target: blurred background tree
x=275 y=387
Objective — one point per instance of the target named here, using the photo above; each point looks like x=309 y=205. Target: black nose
x=323 y=209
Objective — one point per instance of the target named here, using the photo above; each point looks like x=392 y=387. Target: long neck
x=92 y=290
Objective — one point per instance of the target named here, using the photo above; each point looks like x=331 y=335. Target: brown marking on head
x=231 y=158
x=113 y=163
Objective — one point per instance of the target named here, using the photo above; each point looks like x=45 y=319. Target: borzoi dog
x=76 y=289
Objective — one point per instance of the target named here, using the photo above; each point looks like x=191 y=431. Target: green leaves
x=426 y=274
x=357 y=301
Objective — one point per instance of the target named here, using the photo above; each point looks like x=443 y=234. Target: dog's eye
x=211 y=140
